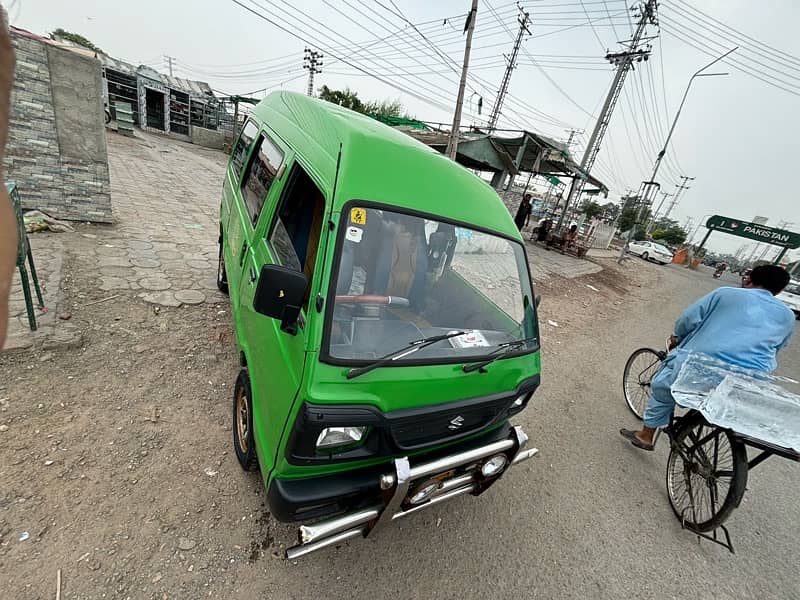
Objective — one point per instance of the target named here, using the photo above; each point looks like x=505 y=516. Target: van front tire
x=243 y=439
x=222 y=275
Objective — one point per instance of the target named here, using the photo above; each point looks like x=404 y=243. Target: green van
x=384 y=315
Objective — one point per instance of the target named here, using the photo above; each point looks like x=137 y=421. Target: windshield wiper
x=502 y=350
x=409 y=348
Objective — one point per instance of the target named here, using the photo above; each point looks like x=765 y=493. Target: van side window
x=246 y=138
x=264 y=165
x=296 y=231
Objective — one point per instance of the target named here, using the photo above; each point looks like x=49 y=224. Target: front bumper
x=454 y=474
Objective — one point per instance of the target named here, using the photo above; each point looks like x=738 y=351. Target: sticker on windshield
x=354 y=234
x=358 y=216
x=471 y=339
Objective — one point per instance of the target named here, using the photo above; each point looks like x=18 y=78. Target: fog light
x=424 y=491
x=520 y=400
x=494 y=465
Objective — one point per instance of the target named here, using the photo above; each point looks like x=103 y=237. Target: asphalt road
x=589 y=517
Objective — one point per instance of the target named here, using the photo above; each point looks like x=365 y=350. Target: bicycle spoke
x=639 y=371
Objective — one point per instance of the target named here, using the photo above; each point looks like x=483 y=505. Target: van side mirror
x=279 y=294
x=537 y=299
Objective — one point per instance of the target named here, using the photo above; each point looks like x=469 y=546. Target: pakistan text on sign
x=754 y=231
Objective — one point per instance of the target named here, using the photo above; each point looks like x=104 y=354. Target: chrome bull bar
x=364 y=522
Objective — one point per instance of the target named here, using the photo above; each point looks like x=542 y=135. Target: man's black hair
x=770 y=277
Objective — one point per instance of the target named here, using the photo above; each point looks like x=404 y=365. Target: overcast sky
x=737 y=135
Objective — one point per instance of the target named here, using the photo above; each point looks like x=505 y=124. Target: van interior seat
x=402 y=259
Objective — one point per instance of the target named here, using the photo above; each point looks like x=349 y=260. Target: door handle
x=242 y=254
x=253 y=275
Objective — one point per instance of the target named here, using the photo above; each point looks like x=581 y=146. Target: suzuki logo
x=456 y=423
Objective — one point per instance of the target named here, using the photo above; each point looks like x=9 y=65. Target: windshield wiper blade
x=502 y=350
x=409 y=348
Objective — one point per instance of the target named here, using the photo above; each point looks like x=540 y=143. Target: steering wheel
x=372 y=300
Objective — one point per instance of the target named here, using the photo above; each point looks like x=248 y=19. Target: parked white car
x=791 y=297
x=651 y=251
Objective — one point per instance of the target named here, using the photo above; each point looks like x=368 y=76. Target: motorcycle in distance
x=720 y=270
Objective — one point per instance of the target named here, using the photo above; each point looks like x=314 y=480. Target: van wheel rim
x=242 y=419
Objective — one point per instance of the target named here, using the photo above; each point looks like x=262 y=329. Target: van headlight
x=335 y=437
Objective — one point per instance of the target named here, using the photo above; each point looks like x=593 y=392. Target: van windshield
x=403 y=278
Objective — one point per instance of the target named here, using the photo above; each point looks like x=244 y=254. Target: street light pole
x=698 y=73
x=647 y=185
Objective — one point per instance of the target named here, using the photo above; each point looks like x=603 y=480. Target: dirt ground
x=115 y=457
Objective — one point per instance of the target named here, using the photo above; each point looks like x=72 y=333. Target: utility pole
x=624 y=62
x=524 y=19
x=687 y=225
x=665 y=195
x=169 y=60
x=680 y=189
x=572 y=134
x=469 y=28
x=312 y=60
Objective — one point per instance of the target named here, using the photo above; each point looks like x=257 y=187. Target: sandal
x=631 y=435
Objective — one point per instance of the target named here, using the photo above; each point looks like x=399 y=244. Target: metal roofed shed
x=541 y=155
x=475 y=150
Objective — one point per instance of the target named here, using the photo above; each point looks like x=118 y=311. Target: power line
x=605 y=7
x=542 y=71
x=338 y=56
x=710 y=51
x=778 y=54
x=660 y=126
x=726 y=39
x=427 y=83
x=594 y=30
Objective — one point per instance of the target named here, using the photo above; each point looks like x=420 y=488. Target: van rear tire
x=244 y=442
x=222 y=274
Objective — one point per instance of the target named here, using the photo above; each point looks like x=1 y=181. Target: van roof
x=380 y=164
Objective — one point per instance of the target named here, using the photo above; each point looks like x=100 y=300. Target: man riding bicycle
x=744 y=327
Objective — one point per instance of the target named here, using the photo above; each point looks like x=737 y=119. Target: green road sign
x=754 y=231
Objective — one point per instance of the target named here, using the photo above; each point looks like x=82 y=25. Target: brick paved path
x=166 y=203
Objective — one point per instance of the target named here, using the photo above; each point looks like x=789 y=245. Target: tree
x=627 y=218
x=610 y=211
x=349 y=99
x=672 y=235
x=390 y=108
x=345 y=98
x=75 y=38
x=591 y=209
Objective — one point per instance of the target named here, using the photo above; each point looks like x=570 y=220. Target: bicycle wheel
x=639 y=370
x=706 y=473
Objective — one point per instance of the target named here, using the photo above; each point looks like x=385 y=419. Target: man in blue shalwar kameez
x=744 y=327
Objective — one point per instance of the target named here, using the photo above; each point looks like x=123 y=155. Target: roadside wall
x=56 y=150
x=209 y=138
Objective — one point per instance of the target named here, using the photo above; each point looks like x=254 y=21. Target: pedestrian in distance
x=570 y=238
x=544 y=229
x=523 y=212
x=743 y=327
